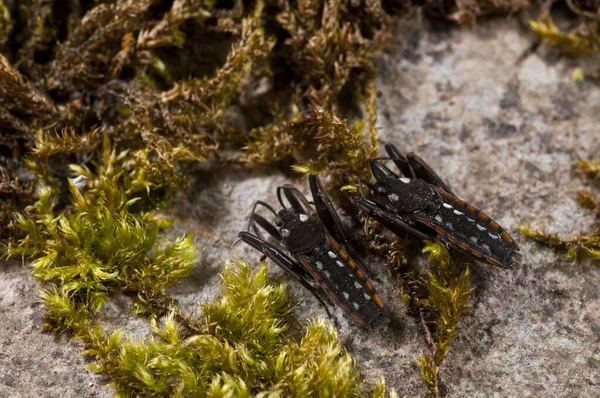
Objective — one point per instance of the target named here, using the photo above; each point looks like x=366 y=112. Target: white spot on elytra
x=331 y=254
x=356 y=306
x=358 y=285
x=346 y=295
x=393 y=197
x=479 y=227
x=327 y=274
x=486 y=247
x=285 y=233
x=473 y=239
x=405 y=180
x=303 y=217
x=447 y=206
x=458 y=213
x=367 y=296
x=449 y=225
x=319 y=265
x=493 y=236
x=470 y=220
x=339 y=263
x=439 y=218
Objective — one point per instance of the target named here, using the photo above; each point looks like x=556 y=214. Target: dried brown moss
x=467 y=11
x=111 y=101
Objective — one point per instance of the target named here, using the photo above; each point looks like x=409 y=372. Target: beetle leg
x=289 y=265
x=267 y=226
x=413 y=165
x=326 y=211
x=380 y=171
x=361 y=187
x=296 y=199
x=426 y=173
x=329 y=218
x=389 y=219
x=399 y=160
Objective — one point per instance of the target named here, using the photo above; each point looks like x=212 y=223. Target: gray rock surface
x=503 y=125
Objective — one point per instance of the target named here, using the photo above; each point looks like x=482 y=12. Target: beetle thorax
x=299 y=232
x=405 y=195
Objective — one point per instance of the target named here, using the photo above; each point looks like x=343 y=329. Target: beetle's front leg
x=416 y=166
x=387 y=218
x=289 y=264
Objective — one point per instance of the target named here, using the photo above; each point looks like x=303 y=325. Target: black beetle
x=317 y=252
x=423 y=205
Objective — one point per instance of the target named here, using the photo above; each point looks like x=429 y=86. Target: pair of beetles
x=316 y=249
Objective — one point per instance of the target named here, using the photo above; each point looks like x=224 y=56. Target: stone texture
x=503 y=124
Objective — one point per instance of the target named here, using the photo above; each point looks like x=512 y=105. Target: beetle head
x=299 y=232
x=404 y=195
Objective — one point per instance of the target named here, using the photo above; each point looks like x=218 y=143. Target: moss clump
x=109 y=103
x=448 y=292
x=98 y=247
x=328 y=57
x=467 y=11
x=582 y=38
x=437 y=298
x=241 y=347
x=343 y=151
x=580 y=245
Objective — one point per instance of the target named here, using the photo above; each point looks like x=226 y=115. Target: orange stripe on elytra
x=459 y=202
x=310 y=269
x=343 y=254
x=426 y=222
x=506 y=237
x=493 y=261
x=360 y=274
x=472 y=209
x=450 y=237
x=358 y=319
x=368 y=285
x=333 y=243
x=451 y=198
x=494 y=225
x=351 y=264
x=474 y=252
x=377 y=300
x=444 y=193
x=481 y=216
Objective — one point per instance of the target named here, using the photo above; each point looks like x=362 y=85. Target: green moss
x=240 y=346
x=581 y=38
x=101 y=248
x=110 y=118
x=97 y=247
x=448 y=293
x=5 y=23
x=437 y=299
x=580 y=245
x=584 y=40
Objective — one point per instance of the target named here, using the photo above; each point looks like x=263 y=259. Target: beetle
x=314 y=250
x=420 y=203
